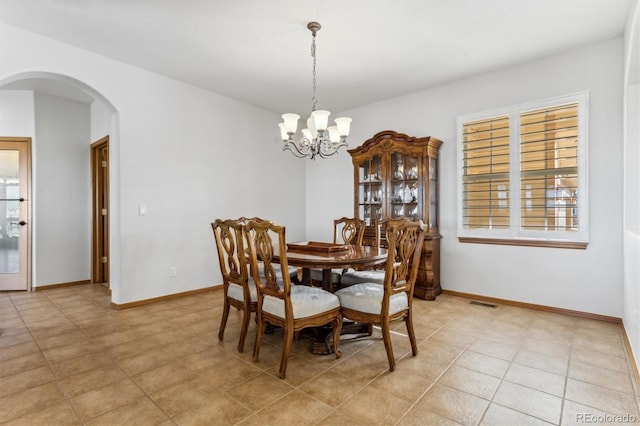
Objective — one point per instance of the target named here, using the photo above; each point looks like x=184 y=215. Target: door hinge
x=103 y=259
x=104 y=163
x=104 y=212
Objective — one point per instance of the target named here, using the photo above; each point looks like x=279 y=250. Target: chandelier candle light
x=317 y=139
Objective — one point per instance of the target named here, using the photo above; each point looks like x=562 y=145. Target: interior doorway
x=15 y=213
x=100 y=196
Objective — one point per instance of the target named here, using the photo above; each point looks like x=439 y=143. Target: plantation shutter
x=485 y=174
x=549 y=169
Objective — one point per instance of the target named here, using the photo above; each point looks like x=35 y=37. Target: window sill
x=525 y=243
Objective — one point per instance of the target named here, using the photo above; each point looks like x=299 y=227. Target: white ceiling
x=258 y=51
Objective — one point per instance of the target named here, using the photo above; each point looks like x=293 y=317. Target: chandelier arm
x=294 y=150
x=333 y=151
x=302 y=148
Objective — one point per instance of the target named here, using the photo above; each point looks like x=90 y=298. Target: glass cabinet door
x=404 y=196
x=433 y=193
x=370 y=190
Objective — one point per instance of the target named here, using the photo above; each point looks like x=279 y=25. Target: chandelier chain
x=314 y=100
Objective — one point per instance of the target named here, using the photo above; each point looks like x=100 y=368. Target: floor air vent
x=486 y=305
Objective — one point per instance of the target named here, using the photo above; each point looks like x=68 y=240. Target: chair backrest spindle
x=404 y=240
x=260 y=237
x=348 y=230
x=230 y=244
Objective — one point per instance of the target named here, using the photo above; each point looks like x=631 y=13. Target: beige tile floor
x=66 y=357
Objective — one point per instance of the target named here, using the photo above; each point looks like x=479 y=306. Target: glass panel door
x=14 y=229
x=9 y=213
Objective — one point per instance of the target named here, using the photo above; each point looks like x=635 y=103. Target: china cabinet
x=396 y=175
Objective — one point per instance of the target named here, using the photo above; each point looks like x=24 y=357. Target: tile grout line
x=115 y=363
x=419 y=398
x=503 y=380
x=49 y=363
x=68 y=399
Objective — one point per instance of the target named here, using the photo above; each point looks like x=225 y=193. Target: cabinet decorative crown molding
x=387 y=140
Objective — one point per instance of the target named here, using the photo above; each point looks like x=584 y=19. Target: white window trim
x=515 y=234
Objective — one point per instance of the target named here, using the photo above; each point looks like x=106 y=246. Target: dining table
x=327 y=257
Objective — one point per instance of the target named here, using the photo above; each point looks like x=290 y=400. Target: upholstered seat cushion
x=357 y=277
x=367 y=297
x=316 y=275
x=306 y=301
x=293 y=271
x=235 y=291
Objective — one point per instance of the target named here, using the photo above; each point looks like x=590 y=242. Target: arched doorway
x=62 y=196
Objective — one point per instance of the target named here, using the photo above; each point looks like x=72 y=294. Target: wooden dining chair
x=379 y=304
x=346 y=230
x=291 y=270
x=239 y=289
x=351 y=276
x=291 y=307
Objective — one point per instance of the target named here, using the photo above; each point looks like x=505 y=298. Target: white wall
x=585 y=280
x=631 y=287
x=16 y=113
x=180 y=151
x=62 y=190
x=189 y=155
x=100 y=120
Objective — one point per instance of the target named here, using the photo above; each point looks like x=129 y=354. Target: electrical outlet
x=172 y=271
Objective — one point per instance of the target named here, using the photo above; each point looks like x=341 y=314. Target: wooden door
x=100 y=187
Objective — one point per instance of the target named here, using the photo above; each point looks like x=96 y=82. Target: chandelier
x=317 y=139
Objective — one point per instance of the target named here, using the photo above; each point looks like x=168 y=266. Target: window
x=522 y=174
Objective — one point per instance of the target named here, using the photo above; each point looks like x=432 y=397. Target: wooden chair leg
x=246 y=317
x=223 y=321
x=258 y=342
x=288 y=340
x=412 y=335
x=337 y=328
x=386 y=336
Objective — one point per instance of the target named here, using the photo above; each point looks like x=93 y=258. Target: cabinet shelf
x=403 y=180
